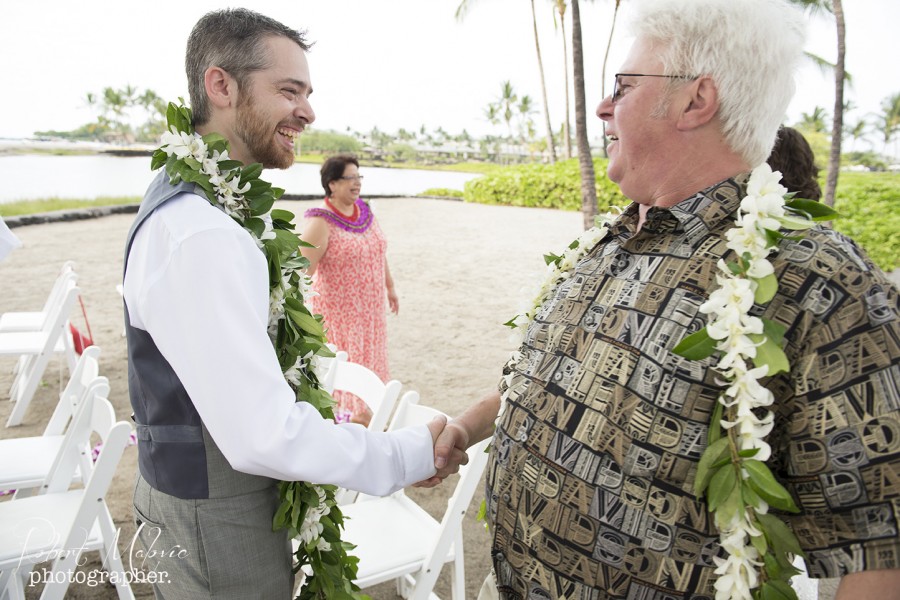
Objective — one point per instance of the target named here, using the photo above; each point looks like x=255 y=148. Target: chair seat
x=24 y=462
x=392 y=536
x=22 y=321
x=22 y=342
x=40 y=520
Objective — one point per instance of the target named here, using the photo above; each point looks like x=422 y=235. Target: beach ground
x=459 y=270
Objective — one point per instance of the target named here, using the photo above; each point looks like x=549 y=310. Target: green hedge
x=869 y=207
x=869 y=203
x=544 y=186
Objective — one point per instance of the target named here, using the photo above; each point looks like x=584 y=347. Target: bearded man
x=217 y=423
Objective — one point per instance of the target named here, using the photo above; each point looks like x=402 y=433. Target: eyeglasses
x=352 y=177
x=616 y=94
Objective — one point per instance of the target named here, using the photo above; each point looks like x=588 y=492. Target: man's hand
x=450 y=443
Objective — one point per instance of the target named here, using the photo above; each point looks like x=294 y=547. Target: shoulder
x=188 y=216
x=829 y=276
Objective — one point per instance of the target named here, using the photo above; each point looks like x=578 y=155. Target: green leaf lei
x=309 y=512
x=732 y=472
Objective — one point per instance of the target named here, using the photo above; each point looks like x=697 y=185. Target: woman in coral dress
x=351 y=275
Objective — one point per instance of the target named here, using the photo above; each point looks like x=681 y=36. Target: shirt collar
x=701 y=213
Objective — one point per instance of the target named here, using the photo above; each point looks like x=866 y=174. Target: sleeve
x=843 y=432
x=207 y=311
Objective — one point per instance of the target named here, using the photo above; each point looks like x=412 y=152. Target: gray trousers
x=216 y=548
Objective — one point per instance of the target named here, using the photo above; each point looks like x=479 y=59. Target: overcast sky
x=390 y=64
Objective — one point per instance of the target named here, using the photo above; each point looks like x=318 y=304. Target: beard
x=258 y=135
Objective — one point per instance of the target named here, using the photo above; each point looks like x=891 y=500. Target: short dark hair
x=795 y=159
x=234 y=40
x=333 y=169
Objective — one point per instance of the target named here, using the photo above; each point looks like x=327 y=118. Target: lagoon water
x=32 y=176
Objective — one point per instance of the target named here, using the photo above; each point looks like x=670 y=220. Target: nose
x=304 y=110
x=605 y=108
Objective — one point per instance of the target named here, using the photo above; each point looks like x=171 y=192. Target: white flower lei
x=732 y=473
x=308 y=511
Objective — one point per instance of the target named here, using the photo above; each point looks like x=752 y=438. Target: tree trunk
x=588 y=179
x=605 y=60
x=567 y=130
x=537 y=46
x=834 y=159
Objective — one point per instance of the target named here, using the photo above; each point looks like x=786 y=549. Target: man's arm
x=870 y=585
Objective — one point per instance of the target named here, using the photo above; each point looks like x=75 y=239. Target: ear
x=702 y=104
x=331 y=186
x=221 y=88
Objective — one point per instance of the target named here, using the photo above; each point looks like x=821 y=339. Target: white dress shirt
x=199 y=285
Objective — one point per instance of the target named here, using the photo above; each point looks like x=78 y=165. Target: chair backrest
x=328 y=365
x=91 y=417
x=55 y=296
x=58 y=314
x=379 y=396
x=87 y=369
x=98 y=476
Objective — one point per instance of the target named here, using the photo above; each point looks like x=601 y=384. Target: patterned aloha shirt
x=589 y=485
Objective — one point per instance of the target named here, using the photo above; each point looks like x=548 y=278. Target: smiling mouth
x=290 y=134
x=612 y=138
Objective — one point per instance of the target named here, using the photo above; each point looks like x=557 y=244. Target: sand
x=459 y=271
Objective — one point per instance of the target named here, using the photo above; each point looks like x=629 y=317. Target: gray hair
x=233 y=40
x=750 y=48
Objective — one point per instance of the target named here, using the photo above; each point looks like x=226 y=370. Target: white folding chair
x=380 y=397
x=396 y=538
x=25 y=462
x=36 y=348
x=34 y=320
x=61 y=523
x=328 y=365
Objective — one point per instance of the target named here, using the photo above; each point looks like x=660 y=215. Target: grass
x=31 y=207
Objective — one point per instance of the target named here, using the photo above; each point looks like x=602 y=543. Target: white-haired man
x=590 y=483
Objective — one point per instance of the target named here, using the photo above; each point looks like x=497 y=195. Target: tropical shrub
x=869 y=203
x=544 y=186
x=329 y=142
x=442 y=192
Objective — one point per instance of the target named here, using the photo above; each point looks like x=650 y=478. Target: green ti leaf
x=769 y=352
x=810 y=209
x=776 y=589
x=721 y=485
x=712 y=454
x=696 y=346
x=765 y=289
x=763 y=483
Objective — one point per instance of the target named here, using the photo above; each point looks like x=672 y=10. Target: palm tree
x=506 y=103
x=460 y=13
x=567 y=130
x=585 y=162
x=834 y=158
x=814 y=121
x=857 y=131
x=526 y=124
x=888 y=122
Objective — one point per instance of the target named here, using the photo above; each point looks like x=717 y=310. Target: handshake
x=450 y=442
x=451 y=439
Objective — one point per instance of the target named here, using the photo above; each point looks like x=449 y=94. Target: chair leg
x=25 y=389
x=11 y=585
x=109 y=555
x=69 y=349
x=458 y=569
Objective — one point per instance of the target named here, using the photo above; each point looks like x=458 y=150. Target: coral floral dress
x=352 y=297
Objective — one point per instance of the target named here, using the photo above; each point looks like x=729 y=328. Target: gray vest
x=176 y=454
